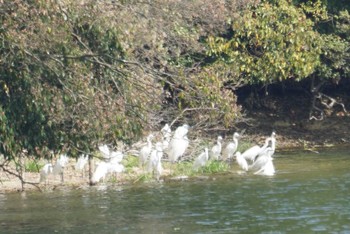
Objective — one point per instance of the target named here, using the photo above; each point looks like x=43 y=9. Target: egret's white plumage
x=116 y=157
x=45 y=171
x=201 y=160
x=178 y=143
x=271 y=148
x=146 y=151
x=263 y=164
x=100 y=172
x=181 y=131
x=58 y=168
x=251 y=153
x=231 y=147
x=82 y=161
x=114 y=167
x=216 y=149
x=166 y=132
x=155 y=163
x=241 y=161
x=105 y=151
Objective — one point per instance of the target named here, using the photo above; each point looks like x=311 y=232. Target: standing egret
x=155 y=163
x=82 y=161
x=146 y=151
x=231 y=147
x=216 y=150
x=241 y=161
x=58 y=168
x=251 y=153
x=166 y=132
x=178 y=143
x=44 y=172
x=100 y=172
x=201 y=160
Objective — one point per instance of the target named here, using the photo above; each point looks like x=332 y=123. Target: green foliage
x=270 y=43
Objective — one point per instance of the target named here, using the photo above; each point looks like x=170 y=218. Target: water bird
x=155 y=163
x=201 y=160
x=100 y=172
x=44 y=172
x=264 y=165
x=251 y=153
x=231 y=147
x=166 y=133
x=146 y=151
x=271 y=148
x=216 y=149
x=58 y=168
x=178 y=143
x=82 y=161
x=242 y=163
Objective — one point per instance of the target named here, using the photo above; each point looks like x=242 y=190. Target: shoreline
x=74 y=180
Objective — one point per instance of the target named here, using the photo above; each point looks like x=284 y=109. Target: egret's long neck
x=273 y=143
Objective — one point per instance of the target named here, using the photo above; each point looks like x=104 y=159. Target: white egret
x=231 y=147
x=178 y=143
x=263 y=164
x=201 y=160
x=216 y=150
x=116 y=157
x=115 y=168
x=44 y=172
x=181 y=131
x=100 y=172
x=105 y=151
x=241 y=161
x=166 y=132
x=146 y=151
x=155 y=163
x=80 y=165
x=58 y=168
x=251 y=153
x=271 y=148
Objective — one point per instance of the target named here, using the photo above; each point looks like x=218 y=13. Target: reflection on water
x=309 y=193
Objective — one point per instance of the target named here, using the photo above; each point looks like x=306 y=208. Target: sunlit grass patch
x=215 y=167
x=130 y=162
x=33 y=166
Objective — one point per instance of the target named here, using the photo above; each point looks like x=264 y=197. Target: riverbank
x=310 y=136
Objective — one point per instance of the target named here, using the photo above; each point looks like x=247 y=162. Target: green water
x=309 y=194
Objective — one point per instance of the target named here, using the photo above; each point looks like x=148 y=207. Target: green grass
x=33 y=166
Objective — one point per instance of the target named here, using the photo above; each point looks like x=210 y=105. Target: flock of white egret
x=257 y=158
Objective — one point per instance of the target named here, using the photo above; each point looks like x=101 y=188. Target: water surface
x=309 y=194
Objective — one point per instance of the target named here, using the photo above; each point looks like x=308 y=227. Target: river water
x=310 y=193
